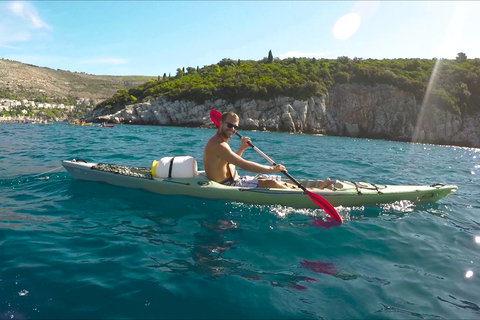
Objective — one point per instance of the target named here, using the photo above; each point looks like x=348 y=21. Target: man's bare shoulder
x=215 y=143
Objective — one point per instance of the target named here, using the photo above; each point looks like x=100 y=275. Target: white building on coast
x=6 y=104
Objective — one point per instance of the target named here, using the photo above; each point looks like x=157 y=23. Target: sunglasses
x=231 y=125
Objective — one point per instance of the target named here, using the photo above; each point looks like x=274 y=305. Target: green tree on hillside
x=270 y=57
x=461 y=57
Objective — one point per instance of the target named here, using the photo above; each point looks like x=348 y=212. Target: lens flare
x=346 y=26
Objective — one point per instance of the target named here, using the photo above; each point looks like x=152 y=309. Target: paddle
x=320 y=201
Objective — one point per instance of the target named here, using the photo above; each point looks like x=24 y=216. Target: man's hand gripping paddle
x=320 y=201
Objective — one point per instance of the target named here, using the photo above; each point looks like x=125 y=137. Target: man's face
x=229 y=127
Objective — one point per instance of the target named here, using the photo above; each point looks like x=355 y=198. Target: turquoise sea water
x=83 y=250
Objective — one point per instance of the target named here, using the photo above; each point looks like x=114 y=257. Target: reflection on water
x=321 y=267
x=209 y=249
x=461 y=304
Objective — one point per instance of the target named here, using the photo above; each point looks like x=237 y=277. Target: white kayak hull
x=345 y=193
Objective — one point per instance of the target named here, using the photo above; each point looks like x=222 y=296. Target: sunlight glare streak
x=455 y=27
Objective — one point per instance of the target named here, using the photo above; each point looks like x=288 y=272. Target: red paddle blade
x=215 y=116
x=325 y=205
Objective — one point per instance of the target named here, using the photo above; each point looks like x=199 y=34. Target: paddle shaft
x=273 y=163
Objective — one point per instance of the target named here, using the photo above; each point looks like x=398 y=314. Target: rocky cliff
x=352 y=110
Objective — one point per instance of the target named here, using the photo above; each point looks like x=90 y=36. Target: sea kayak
x=190 y=182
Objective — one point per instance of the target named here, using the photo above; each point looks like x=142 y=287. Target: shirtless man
x=218 y=158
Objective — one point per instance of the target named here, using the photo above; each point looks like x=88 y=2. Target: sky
x=151 y=38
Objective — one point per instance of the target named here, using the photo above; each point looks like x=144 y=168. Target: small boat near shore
x=180 y=177
x=80 y=124
x=42 y=122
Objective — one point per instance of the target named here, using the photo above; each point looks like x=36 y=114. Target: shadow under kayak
x=345 y=193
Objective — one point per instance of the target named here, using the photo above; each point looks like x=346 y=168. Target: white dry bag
x=175 y=167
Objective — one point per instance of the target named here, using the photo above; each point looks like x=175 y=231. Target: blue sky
x=156 y=37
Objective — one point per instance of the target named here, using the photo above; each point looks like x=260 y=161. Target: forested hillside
x=455 y=84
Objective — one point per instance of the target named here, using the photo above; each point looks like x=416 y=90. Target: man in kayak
x=218 y=159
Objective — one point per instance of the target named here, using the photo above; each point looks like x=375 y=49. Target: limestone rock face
x=352 y=110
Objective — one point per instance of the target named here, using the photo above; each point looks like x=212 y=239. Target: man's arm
x=226 y=153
